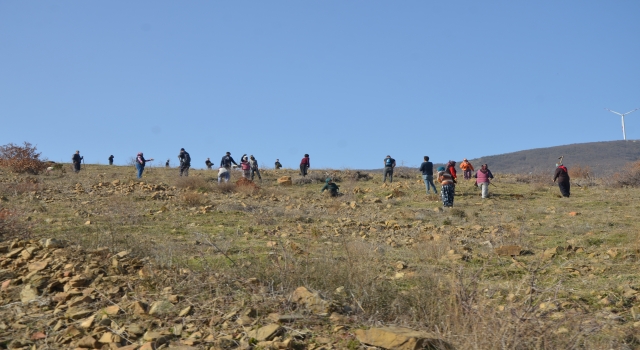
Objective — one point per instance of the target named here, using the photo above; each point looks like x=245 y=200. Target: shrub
x=21 y=159
x=193 y=199
x=195 y=183
x=629 y=176
x=580 y=172
x=10 y=227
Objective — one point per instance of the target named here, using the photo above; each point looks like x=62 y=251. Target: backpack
x=388 y=162
x=187 y=158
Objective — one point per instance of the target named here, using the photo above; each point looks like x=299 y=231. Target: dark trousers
x=254 y=172
x=303 y=169
x=565 y=188
x=76 y=166
x=110 y=162
x=184 y=169
x=388 y=171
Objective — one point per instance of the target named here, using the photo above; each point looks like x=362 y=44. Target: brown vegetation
x=21 y=159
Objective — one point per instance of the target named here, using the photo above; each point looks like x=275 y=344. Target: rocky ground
x=102 y=260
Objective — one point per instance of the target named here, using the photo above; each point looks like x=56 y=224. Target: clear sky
x=346 y=81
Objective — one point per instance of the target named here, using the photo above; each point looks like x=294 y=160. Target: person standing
x=225 y=162
x=389 y=165
x=208 y=163
x=448 y=189
x=427 y=174
x=451 y=169
x=278 y=165
x=166 y=165
x=305 y=164
x=482 y=179
x=111 y=159
x=140 y=163
x=467 y=168
x=562 y=177
x=254 y=167
x=185 y=162
x=246 y=167
x=77 y=160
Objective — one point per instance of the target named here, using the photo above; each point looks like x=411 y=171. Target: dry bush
x=19 y=188
x=21 y=159
x=10 y=225
x=580 y=172
x=628 y=177
x=193 y=199
x=195 y=183
x=224 y=187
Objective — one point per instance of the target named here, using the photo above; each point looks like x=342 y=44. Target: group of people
x=446 y=175
x=448 y=178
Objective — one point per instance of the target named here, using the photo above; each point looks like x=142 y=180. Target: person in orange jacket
x=467 y=168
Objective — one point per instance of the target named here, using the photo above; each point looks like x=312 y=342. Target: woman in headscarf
x=562 y=177
x=448 y=190
x=482 y=179
x=451 y=169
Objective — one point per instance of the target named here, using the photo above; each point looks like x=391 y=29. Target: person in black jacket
x=77 y=160
x=208 y=163
x=562 y=177
x=427 y=174
x=225 y=162
x=111 y=159
x=185 y=162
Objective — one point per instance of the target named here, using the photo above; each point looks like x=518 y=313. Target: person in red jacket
x=451 y=166
x=304 y=165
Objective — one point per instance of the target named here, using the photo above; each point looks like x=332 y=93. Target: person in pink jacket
x=482 y=179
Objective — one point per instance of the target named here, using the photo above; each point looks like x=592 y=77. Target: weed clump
x=194 y=183
x=628 y=177
x=21 y=159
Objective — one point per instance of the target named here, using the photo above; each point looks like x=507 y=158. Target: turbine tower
x=624 y=135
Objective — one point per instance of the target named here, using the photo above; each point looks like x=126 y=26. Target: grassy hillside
x=523 y=269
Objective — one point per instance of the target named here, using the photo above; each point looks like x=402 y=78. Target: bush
x=193 y=183
x=10 y=227
x=629 y=176
x=21 y=159
x=580 y=172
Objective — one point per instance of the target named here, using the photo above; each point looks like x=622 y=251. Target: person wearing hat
x=111 y=159
x=77 y=160
x=467 y=168
x=331 y=187
x=562 y=177
x=253 y=162
x=185 y=162
x=225 y=162
x=208 y=163
x=305 y=164
x=389 y=165
x=427 y=174
x=140 y=163
x=448 y=189
x=278 y=165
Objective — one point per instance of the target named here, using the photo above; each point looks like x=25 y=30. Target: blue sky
x=346 y=81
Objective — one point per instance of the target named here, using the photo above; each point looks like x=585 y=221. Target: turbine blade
x=613 y=111
x=631 y=111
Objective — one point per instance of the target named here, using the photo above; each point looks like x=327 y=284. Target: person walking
x=140 y=163
x=253 y=162
x=77 y=161
x=448 y=189
x=185 y=162
x=389 y=165
x=278 y=165
x=331 y=186
x=111 y=159
x=482 y=180
x=246 y=168
x=166 y=165
x=427 y=174
x=226 y=162
x=305 y=164
x=467 y=168
x=562 y=178
x=208 y=163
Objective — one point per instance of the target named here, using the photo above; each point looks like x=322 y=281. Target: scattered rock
x=398 y=338
x=267 y=332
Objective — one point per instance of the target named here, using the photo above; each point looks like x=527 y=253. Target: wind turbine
x=624 y=135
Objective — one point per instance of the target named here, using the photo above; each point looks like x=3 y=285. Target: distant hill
x=602 y=157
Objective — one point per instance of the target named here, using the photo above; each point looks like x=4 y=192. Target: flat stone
x=508 y=250
x=28 y=294
x=267 y=332
x=399 y=338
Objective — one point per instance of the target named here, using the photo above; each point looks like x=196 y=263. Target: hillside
x=602 y=157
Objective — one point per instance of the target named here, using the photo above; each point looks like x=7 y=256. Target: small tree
x=21 y=159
